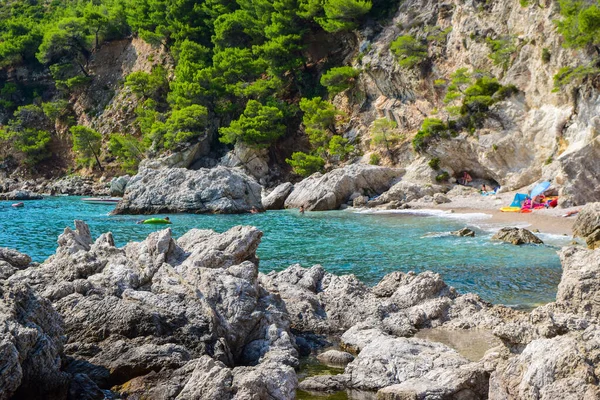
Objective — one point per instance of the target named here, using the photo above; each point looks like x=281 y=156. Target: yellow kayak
x=510 y=209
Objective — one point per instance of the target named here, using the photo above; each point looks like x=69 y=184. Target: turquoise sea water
x=367 y=245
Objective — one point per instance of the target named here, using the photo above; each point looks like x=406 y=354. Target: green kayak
x=156 y=221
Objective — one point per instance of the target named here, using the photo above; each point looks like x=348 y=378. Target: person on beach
x=466 y=179
x=254 y=210
x=301 y=209
x=483 y=188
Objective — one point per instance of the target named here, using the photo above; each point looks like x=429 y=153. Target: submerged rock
x=463 y=232
x=516 y=236
x=328 y=192
x=587 y=225
x=216 y=190
x=335 y=358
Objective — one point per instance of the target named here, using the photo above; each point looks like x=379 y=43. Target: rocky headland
x=193 y=318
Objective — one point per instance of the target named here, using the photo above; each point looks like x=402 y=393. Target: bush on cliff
x=87 y=145
x=259 y=126
x=305 y=164
x=336 y=80
x=409 y=51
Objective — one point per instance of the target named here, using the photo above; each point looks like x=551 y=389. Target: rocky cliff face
x=537 y=134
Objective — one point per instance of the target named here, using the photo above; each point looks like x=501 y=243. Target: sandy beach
x=471 y=201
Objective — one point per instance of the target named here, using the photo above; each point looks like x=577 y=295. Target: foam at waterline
x=427 y=212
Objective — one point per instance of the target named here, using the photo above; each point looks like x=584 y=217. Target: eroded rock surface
x=327 y=192
x=216 y=190
x=276 y=199
x=587 y=225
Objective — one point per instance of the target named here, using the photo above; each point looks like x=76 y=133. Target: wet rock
x=20 y=195
x=325 y=383
x=276 y=199
x=118 y=185
x=216 y=190
x=327 y=192
x=335 y=358
x=516 y=236
x=587 y=225
x=463 y=232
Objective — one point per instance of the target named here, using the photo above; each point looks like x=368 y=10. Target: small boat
x=154 y=221
x=101 y=200
x=19 y=204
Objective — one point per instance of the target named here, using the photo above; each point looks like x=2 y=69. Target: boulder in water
x=276 y=199
x=463 y=232
x=118 y=185
x=178 y=190
x=321 y=192
x=20 y=195
x=335 y=357
x=517 y=236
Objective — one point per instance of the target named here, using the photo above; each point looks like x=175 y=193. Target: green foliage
x=374 y=159
x=258 y=126
x=431 y=129
x=128 y=150
x=32 y=143
x=339 y=147
x=442 y=177
x=502 y=50
x=434 y=163
x=319 y=120
x=148 y=85
x=87 y=144
x=568 y=75
x=305 y=164
x=580 y=23
x=182 y=126
x=56 y=110
x=339 y=15
x=384 y=133
x=546 y=55
x=524 y=3
x=338 y=79
x=409 y=51
x=437 y=34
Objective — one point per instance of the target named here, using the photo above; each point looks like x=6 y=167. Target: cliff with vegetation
x=286 y=88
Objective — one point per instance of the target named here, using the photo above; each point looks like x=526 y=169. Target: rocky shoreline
x=192 y=318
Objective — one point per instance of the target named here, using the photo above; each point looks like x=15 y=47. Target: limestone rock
x=327 y=192
x=561 y=367
x=389 y=361
x=325 y=383
x=579 y=287
x=516 y=236
x=439 y=198
x=216 y=190
x=254 y=161
x=20 y=195
x=276 y=199
x=31 y=342
x=118 y=185
x=335 y=357
x=11 y=261
x=463 y=232
x=580 y=172
x=587 y=225
x=406 y=191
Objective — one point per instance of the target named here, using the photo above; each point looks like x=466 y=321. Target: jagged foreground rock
x=193 y=319
x=587 y=225
x=217 y=190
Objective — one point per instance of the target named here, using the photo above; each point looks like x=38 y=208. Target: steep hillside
x=288 y=88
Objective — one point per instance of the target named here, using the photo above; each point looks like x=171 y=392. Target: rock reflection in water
x=472 y=344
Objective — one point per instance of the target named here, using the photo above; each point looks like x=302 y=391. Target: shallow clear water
x=367 y=245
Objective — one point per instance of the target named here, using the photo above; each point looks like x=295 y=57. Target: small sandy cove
x=550 y=220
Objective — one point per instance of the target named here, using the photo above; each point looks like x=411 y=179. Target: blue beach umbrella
x=539 y=189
